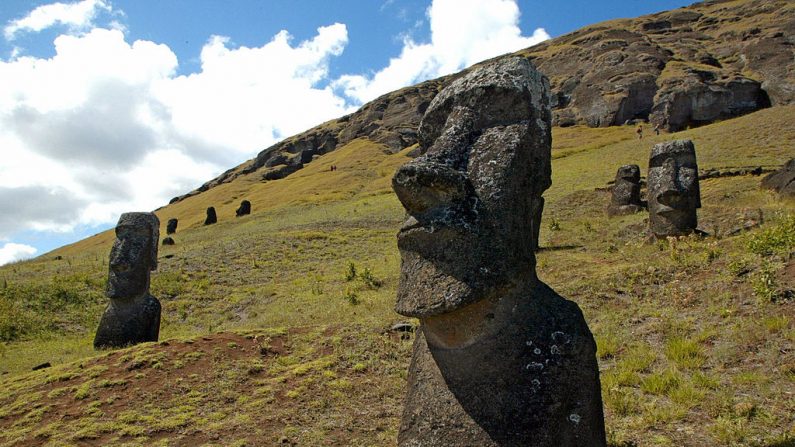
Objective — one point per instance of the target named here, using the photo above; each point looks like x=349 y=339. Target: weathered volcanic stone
x=782 y=181
x=211 y=217
x=133 y=315
x=674 y=194
x=500 y=359
x=244 y=209
x=625 y=198
x=171 y=226
x=168 y=240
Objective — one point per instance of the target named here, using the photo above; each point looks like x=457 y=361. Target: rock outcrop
x=782 y=181
x=499 y=359
x=133 y=315
x=679 y=68
x=674 y=193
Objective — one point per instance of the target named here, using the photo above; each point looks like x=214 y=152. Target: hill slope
x=696 y=347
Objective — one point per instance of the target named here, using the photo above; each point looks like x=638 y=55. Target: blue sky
x=99 y=94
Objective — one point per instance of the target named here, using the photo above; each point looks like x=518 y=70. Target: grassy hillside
x=270 y=338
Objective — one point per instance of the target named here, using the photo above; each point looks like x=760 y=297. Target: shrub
x=777 y=239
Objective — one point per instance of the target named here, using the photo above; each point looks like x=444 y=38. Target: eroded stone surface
x=133 y=315
x=500 y=359
x=625 y=194
x=674 y=194
x=782 y=181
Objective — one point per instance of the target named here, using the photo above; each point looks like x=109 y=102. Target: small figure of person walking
x=656 y=129
x=639 y=131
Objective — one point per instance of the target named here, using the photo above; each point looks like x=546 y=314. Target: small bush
x=350 y=273
x=778 y=239
x=369 y=280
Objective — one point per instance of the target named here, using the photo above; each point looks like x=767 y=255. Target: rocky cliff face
x=680 y=68
x=686 y=67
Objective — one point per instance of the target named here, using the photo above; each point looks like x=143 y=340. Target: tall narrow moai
x=625 y=195
x=500 y=359
x=244 y=209
x=211 y=217
x=171 y=226
x=674 y=194
x=133 y=315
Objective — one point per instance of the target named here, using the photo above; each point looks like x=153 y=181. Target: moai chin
x=625 y=195
x=500 y=359
x=674 y=194
x=133 y=315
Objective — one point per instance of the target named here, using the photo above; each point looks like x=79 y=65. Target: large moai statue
x=674 y=194
x=211 y=216
x=244 y=209
x=625 y=197
x=500 y=359
x=133 y=315
x=171 y=226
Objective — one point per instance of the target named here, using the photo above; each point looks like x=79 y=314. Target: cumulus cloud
x=463 y=32
x=77 y=16
x=11 y=252
x=106 y=125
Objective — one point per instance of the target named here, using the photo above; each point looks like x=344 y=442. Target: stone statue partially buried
x=133 y=315
x=674 y=194
x=500 y=359
x=625 y=194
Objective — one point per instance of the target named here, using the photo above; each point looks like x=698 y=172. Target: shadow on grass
x=784 y=443
x=560 y=248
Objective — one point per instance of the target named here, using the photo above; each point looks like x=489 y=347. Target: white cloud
x=13 y=252
x=106 y=126
x=463 y=32
x=77 y=16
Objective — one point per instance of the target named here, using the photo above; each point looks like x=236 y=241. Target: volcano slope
x=276 y=325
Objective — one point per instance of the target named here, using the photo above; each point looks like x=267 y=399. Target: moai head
x=674 y=193
x=133 y=256
x=243 y=209
x=171 y=226
x=625 y=198
x=211 y=216
x=471 y=197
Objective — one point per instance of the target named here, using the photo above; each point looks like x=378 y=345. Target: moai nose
x=669 y=192
x=421 y=186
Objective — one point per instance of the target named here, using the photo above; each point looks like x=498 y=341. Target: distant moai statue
x=499 y=359
x=244 y=209
x=168 y=240
x=674 y=194
x=171 y=226
x=625 y=196
x=211 y=217
x=133 y=315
